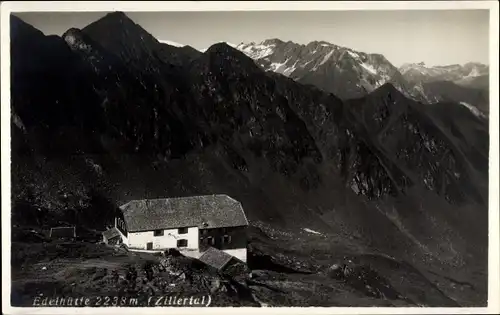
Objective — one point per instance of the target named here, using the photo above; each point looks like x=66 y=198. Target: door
x=149 y=245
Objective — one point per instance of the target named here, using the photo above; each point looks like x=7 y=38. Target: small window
x=182 y=243
x=183 y=230
x=226 y=239
x=210 y=240
x=158 y=232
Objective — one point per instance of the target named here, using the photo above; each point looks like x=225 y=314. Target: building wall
x=215 y=238
x=240 y=253
x=169 y=239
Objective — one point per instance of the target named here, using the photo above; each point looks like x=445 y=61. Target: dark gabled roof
x=215 y=258
x=210 y=211
x=110 y=233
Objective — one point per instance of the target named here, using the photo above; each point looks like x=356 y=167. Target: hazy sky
x=434 y=37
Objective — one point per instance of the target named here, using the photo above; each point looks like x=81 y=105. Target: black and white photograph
x=192 y=158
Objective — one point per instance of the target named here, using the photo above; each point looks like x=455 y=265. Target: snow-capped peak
x=257 y=51
x=297 y=60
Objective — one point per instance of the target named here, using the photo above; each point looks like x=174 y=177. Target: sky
x=435 y=37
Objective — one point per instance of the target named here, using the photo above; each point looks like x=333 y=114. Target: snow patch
x=369 y=68
x=473 y=109
x=276 y=66
x=290 y=70
x=325 y=59
x=18 y=122
x=353 y=54
x=171 y=43
x=256 y=51
x=311 y=231
x=472 y=74
x=231 y=44
x=305 y=64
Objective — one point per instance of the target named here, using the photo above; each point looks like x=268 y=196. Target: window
x=210 y=240
x=120 y=224
x=204 y=232
x=182 y=243
x=158 y=233
x=183 y=230
x=226 y=239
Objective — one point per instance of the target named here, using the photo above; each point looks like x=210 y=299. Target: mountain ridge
x=352 y=74
x=365 y=72
x=465 y=75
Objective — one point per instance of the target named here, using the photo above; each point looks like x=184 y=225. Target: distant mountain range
x=311 y=134
x=338 y=70
x=470 y=75
x=350 y=74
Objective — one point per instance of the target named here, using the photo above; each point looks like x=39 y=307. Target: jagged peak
x=117 y=16
x=72 y=33
x=72 y=36
x=112 y=22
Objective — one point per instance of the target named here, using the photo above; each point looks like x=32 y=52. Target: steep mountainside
x=447 y=91
x=109 y=110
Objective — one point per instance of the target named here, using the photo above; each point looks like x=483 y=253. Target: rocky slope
x=142 y=119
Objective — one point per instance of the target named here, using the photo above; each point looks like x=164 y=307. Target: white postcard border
x=153 y=6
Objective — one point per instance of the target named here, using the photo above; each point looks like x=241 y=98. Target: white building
x=188 y=223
